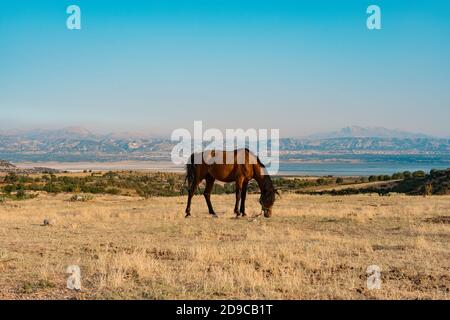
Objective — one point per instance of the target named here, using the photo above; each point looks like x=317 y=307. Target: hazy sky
x=301 y=66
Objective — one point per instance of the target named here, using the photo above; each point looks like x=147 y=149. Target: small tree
x=398 y=175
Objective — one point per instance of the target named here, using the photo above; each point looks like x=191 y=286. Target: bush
x=9 y=188
x=51 y=188
x=21 y=194
x=113 y=191
x=229 y=187
x=145 y=192
x=324 y=181
x=398 y=176
x=80 y=198
x=11 y=177
x=418 y=174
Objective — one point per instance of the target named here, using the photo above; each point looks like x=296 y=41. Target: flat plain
x=314 y=247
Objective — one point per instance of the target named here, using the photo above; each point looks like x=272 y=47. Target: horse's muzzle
x=267 y=213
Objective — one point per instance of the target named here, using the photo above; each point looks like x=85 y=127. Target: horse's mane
x=257 y=158
x=260 y=163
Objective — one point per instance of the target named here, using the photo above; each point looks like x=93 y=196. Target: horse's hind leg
x=243 y=196
x=190 y=195
x=208 y=188
x=239 y=183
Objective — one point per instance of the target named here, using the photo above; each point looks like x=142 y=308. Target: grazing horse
x=239 y=166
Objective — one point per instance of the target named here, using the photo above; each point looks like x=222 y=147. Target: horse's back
x=228 y=165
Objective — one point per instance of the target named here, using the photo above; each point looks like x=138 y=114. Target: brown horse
x=239 y=166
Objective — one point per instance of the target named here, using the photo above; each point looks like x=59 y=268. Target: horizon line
x=149 y=134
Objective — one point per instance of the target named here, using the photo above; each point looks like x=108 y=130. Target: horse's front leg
x=243 y=196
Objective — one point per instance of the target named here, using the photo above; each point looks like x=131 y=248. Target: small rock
x=47 y=222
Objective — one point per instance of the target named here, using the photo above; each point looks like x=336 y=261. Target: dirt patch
x=419 y=281
x=377 y=247
x=439 y=219
x=167 y=254
x=232 y=237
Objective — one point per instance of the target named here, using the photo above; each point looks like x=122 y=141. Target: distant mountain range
x=78 y=144
x=369 y=132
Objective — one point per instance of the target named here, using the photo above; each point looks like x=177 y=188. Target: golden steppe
x=314 y=247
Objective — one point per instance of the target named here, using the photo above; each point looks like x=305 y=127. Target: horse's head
x=267 y=198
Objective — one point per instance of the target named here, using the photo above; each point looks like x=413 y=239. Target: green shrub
x=50 y=187
x=407 y=174
x=418 y=174
x=9 y=188
x=11 y=177
x=398 y=175
x=114 y=191
x=20 y=194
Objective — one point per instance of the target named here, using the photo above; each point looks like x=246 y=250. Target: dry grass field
x=314 y=247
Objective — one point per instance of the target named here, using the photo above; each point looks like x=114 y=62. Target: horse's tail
x=190 y=172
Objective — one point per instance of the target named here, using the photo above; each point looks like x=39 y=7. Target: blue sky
x=153 y=66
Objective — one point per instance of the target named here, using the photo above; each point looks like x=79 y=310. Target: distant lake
x=366 y=166
x=312 y=165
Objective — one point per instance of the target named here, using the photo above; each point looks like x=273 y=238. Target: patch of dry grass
x=314 y=247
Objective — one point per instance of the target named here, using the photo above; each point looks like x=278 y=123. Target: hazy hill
x=6 y=165
x=78 y=144
x=368 y=132
x=368 y=144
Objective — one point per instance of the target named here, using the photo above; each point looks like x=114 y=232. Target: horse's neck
x=264 y=181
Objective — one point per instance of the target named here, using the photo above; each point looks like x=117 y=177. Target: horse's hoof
x=187 y=216
x=214 y=215
x=244 y=215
